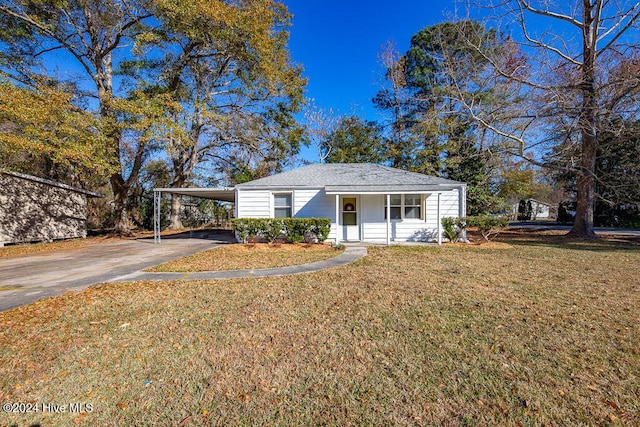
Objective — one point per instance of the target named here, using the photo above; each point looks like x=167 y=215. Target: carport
x=222 y=194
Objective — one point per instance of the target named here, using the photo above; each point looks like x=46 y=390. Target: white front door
x=350 y=218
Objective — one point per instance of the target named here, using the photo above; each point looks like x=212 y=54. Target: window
x=349 y=211
x=412 y=206
x=282 y=205
x=396 y=206
x=404 y=206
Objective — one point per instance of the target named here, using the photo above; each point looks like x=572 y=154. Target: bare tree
x=320 y=124
x=566 y=75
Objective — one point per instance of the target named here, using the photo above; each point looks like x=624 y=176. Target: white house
x=365 y=202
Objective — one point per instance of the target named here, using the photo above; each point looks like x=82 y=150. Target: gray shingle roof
x=357 y=177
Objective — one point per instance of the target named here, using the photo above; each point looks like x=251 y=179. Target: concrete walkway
x=29 y=278
x=350 y=254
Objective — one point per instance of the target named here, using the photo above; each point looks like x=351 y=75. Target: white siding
x=374 y=225
x=307 y=203
x=253 y=204
x=315 y=203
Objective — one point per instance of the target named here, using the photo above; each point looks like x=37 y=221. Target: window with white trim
x=405 y=206
x=282 y=206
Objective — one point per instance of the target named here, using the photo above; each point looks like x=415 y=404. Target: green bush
x=295 y=230
x=453 y=228
x=488 y=225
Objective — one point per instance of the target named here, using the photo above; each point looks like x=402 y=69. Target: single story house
x=36 y=209
x=537 y=210
x=365 y=202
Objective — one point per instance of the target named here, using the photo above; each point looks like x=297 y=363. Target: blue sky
x=338 y=43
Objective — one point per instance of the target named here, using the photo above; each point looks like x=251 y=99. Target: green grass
x=538 y=334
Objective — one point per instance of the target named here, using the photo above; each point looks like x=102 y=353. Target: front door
x=350 y=218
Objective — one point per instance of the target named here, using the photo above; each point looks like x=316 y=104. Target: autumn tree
x=568 y=74
x=103 y=40
x=42 y=131
x=231 y=84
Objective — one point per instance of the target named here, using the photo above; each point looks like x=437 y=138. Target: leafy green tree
x=354 y=141
x=440 y=136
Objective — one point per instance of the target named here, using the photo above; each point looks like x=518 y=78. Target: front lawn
x=535 y=334
x=250 y=256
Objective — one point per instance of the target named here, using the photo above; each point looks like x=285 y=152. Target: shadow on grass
x=606 y=243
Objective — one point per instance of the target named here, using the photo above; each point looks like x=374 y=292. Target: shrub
x=295 y=230
x=272 y=228
x=321 y=228
x=453 y=228
x=488 y=225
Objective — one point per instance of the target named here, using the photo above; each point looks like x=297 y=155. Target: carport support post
x=439 y=223
x=157 y=198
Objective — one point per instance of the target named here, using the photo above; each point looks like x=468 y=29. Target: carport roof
x=224 y=194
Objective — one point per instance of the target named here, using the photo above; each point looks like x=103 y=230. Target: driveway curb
x=350 y=254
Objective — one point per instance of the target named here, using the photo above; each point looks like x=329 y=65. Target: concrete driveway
x=29 y=278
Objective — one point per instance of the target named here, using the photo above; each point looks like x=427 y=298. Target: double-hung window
x=404 y=206
x=412 y=206
x=282 y=206
x=396 y=206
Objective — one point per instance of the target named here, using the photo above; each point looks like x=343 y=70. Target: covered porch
x=388 y=217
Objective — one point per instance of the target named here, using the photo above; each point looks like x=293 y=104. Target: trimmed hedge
x=294 y=230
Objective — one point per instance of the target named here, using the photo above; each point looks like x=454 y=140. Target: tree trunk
x=176 y=211
x=120 y=188
x=586 y=188
x=120 y=196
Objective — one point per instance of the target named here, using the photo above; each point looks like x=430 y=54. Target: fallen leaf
x=610 y=403
x=184 y=421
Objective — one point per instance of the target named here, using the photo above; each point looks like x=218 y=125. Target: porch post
x=388 y=219
x=337 y=219
x=157 y=198
x=439 y=223
x=462 y=194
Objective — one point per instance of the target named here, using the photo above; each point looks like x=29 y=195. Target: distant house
x=36 y=209
x=532 y=209
x=365 y=202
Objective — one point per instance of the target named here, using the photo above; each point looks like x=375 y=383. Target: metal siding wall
x=32 y=211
